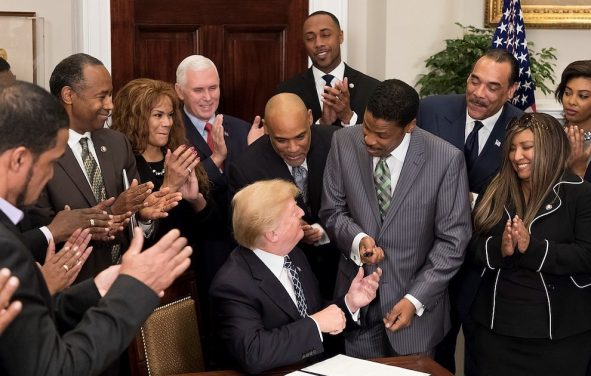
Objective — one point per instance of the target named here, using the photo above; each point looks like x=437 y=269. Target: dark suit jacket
x=69 y=186
x=259 y=323
x=261 y=162
x=445 y=117
x=305 y=87
x=557 y=261
x=72 y=335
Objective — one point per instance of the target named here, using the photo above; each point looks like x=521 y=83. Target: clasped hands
x=362 y=291
x=514 y=236
x=336 y=103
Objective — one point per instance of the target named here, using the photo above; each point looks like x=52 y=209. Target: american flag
x=510 y=35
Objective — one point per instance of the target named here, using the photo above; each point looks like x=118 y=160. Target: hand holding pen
x=369 y=252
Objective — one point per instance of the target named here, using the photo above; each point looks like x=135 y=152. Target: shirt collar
x=12 y=212
x=198 y=123
x=304 y=165
x=400 y=152
x=75 y=137
x=338 y=73
x=271 y=261
x=488 y=123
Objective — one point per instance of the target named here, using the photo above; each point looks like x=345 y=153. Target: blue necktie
x=471 y=146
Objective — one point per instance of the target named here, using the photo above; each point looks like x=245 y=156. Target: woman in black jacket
x=532 y=237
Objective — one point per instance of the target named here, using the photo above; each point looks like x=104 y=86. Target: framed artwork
x=18 y=43
x=553 y=14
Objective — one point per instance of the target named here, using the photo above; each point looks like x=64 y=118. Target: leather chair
x=169 y=341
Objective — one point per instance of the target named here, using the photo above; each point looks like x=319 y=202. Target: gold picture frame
x=562 y=14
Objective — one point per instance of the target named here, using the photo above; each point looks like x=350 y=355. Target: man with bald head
x=295 y=150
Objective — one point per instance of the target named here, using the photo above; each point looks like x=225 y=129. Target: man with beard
x=335 y=92
x=474 y=123
x=80 y=331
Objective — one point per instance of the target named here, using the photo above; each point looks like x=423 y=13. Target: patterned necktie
x=471 y=146
x=328 y=79
x=95 y=177
x=209 y=140
x=381 y=178
x=300 y=176
x=297 y=286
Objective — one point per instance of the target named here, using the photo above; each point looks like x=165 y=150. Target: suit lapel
x=270 y=284
x=71 y=167
x=456 y=126
x=352 y=77
x=309 y=86
x=413 y=162
x=105 y=152
x=315 y=175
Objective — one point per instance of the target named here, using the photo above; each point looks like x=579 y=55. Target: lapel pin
x=226 y=134
x=548 y=207
x=298 y=268
x=498 y=143
x=103 y=149
x=351 y=85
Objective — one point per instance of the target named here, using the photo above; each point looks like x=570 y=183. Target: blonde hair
x=131 y=111
x=551 y=152
x=257 y=208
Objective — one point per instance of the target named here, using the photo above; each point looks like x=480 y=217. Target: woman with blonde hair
x=532 y=238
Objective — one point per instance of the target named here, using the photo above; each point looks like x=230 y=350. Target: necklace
x=158 y=173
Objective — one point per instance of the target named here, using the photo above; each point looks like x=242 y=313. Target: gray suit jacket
x=424 y=233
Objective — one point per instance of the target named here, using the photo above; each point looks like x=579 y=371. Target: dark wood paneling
x=255 y=44
x=252 y=47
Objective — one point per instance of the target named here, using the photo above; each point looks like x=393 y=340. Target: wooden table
x=420 y=363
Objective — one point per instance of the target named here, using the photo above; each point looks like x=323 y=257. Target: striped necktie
x=381 y=177
x=297 y=286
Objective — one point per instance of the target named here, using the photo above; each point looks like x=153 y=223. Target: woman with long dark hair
x=532 y=237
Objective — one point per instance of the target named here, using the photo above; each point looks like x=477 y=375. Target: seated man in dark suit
x=335 y=92
x=84 y=329
x=269 y=307
x=296 y=151
x=474 y=123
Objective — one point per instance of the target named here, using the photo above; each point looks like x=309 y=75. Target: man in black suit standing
x=269 y=308
x=335 y=92
x=82 y=330
x=294 y=150
x=474 y=123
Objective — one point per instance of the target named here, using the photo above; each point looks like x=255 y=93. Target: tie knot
x=478 y=125
x=208 y=127
x=328 y=79
x=84 y=143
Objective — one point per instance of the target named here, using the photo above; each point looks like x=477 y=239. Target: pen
x=312 y=373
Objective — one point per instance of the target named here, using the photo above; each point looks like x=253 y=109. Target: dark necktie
x=97 y=184
x=297 y=286
x=382 y=181
x=471 y=146
x=328 y=79
x=209 y=140
x=300 y=177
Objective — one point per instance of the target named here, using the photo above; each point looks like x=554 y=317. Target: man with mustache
x=474 y=123
x=335 y=92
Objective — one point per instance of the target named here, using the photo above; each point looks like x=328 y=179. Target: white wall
x=57 y=16
x=417 y=29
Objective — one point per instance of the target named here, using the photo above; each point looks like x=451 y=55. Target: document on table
x=342 y=365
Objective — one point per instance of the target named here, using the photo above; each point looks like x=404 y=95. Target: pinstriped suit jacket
x=424 y=233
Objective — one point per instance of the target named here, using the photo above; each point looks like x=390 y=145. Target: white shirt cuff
x=324 y=239
x=355 y=248
x=354 y=315
x=351 y=122
x=419 y=307
x=47 y=233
